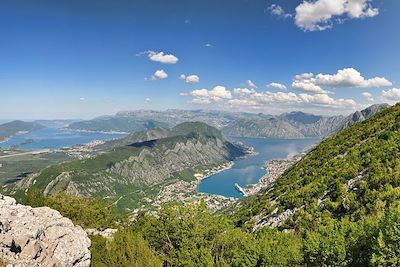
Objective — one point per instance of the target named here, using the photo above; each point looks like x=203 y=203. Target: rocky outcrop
x=40 y=237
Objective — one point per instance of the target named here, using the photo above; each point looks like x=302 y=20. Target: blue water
x=54 y=138
x=251 y=169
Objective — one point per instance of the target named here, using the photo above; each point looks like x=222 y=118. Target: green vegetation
x=11 y=128
x=17 y=165
x=85 y=211
x=131 y=174
x=344 y=194
x=127 y=248
x=116 y=123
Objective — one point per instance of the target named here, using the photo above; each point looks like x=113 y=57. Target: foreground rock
x=40 y=237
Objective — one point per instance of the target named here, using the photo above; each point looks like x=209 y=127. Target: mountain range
x=288 y=125
x=139 y=164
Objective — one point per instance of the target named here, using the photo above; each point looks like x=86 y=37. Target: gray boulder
x=40 y=237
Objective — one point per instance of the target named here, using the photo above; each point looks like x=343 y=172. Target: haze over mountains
x=287 y=125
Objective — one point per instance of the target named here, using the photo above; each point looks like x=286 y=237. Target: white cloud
x=243 y=91
x=345 y=78
x=320 y=15
x=277 y=85
x=147 y=100
x=158 y=74
x=392 y=95
x=82 y=99
x=208 y=45
x=190 y=78
x=306 y=82
x=250 y=84
x=160 y=57
x=217 y=94
x=277 y=10
x=251 y=99
x=367 y=96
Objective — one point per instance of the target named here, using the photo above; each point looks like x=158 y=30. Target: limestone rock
x=40 y=237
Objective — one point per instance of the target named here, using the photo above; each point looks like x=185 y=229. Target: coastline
x=184 y=191
x=275 y=168
x=100 y=132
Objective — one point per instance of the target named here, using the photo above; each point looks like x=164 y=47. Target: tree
x=387 y=245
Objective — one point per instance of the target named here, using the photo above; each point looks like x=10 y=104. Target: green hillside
x=116 y=123
x=134 y=172
x=14 y=127
x=354 y=173
x=338 y=206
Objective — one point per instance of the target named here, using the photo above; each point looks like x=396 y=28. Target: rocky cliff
x=40 y=237
x=298 y=124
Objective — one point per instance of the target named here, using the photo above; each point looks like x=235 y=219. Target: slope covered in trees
x=341 y=207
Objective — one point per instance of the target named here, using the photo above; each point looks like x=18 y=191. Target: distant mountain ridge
x=293 y=125
x=14 y=127
x=298 y=124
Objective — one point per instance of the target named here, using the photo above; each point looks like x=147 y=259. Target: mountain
x=268 y=128
x=292 y=125
x=116 y=124
x=353 y=174
x=15 y=127
x=139 y=120
x=297 y=124
x=361 y=115
x=140 y=168
x=300 y=117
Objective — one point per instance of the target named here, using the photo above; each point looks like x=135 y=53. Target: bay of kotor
x=249 y=170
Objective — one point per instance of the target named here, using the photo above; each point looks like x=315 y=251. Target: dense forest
x=344 y=197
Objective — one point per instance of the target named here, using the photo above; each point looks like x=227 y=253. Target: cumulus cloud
x=243 y=91
x=160 y=57
x=158 y=74
x=250 y=84
x=277 y=86
x=190 y=78
x=322 y=14
x=290 y=99
x=252 y=99
x=147 y=100
x=392 y=95
x=208 y=45
x=277 y=10
x=345 y=78
x=367 y=96
x=306 y=82
x=205 y=96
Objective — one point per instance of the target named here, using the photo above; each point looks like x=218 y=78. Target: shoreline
x=275 y=168
x=99 y=132
x=184 y=191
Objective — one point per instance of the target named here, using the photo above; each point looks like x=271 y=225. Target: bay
x=250 y=169
x=54 y=138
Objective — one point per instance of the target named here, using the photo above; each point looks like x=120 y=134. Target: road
x=36 y=152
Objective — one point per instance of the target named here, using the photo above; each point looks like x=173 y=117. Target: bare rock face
x=40 y=237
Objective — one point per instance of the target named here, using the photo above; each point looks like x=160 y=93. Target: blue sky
x=80 y=59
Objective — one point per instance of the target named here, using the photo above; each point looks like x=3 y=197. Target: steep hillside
x=269 y=128
x=139 y=168
x=15 y=127
x=297 y=124
x=361 y=115
x=352 y=174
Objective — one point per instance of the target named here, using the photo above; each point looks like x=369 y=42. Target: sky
x=81 y=59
